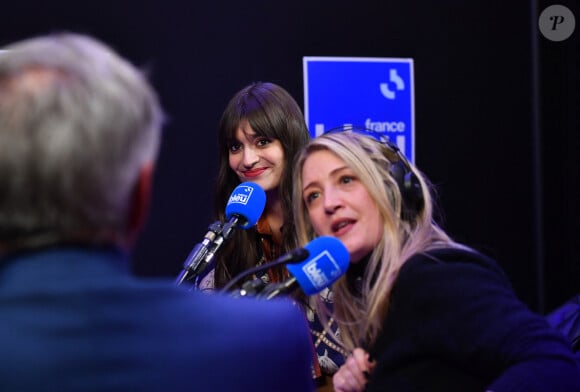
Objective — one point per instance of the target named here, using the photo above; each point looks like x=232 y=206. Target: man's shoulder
x=220 y=310
x=271 y=314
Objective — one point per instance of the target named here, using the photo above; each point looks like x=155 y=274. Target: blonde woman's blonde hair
x=360 y=315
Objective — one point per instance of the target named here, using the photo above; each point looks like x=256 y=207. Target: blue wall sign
x=374 y=93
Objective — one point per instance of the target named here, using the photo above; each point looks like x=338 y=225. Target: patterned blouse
x=329 y=356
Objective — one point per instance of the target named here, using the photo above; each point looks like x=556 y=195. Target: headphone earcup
x=400 y=170
x=410 y=189
x=413 y=191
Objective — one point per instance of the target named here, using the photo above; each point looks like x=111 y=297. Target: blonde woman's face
x=339 y=205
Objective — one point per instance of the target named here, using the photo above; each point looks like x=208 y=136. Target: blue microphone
x=244 y=208
x=246 y=205
x=328 y=261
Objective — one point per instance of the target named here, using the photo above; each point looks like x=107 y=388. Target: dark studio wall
x=496 y=119
x=559 y=152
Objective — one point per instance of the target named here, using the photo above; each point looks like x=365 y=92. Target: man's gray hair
x=77 y=124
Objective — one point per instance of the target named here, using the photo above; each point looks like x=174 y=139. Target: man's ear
x=140 y=202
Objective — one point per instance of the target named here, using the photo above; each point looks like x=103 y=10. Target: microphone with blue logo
x=244 y=208
x=328 y=260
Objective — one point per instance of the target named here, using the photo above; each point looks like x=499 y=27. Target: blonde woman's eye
x=311 y=197
x=346 y=179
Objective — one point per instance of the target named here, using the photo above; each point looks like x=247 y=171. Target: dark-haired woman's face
x=256 y=158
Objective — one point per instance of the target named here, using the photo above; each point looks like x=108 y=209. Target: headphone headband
x=401 y=171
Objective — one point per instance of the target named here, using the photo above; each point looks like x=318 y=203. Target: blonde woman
x=416 y=310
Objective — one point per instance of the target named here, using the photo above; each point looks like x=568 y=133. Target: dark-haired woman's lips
x=254 y=173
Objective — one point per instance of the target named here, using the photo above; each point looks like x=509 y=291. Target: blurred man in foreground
x=79 y=134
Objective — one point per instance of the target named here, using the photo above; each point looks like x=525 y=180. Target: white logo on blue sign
x=374 y=93
x=398 y=82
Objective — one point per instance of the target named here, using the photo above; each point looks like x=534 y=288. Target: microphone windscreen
x=248 y=201
x=328 y=261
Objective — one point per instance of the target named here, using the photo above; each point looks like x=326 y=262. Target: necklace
x=321 y=337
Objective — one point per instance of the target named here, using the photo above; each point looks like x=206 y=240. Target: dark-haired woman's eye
x=235 y=147
x=262 y=142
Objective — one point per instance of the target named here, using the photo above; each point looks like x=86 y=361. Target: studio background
x=495 y=109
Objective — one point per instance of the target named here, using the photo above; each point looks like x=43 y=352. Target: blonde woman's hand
x=353 y=375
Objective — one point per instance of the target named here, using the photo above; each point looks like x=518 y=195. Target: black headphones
x=408 y=183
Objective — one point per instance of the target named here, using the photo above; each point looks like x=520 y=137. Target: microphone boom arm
x=199 y=253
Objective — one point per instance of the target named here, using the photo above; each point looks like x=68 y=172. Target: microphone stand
x=294 y=256
x=251 y=288
x=275 y=290
x=193 y=264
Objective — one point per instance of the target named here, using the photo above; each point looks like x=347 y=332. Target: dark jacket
x=75 y=320
x=455 y=324
x=566 y=319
